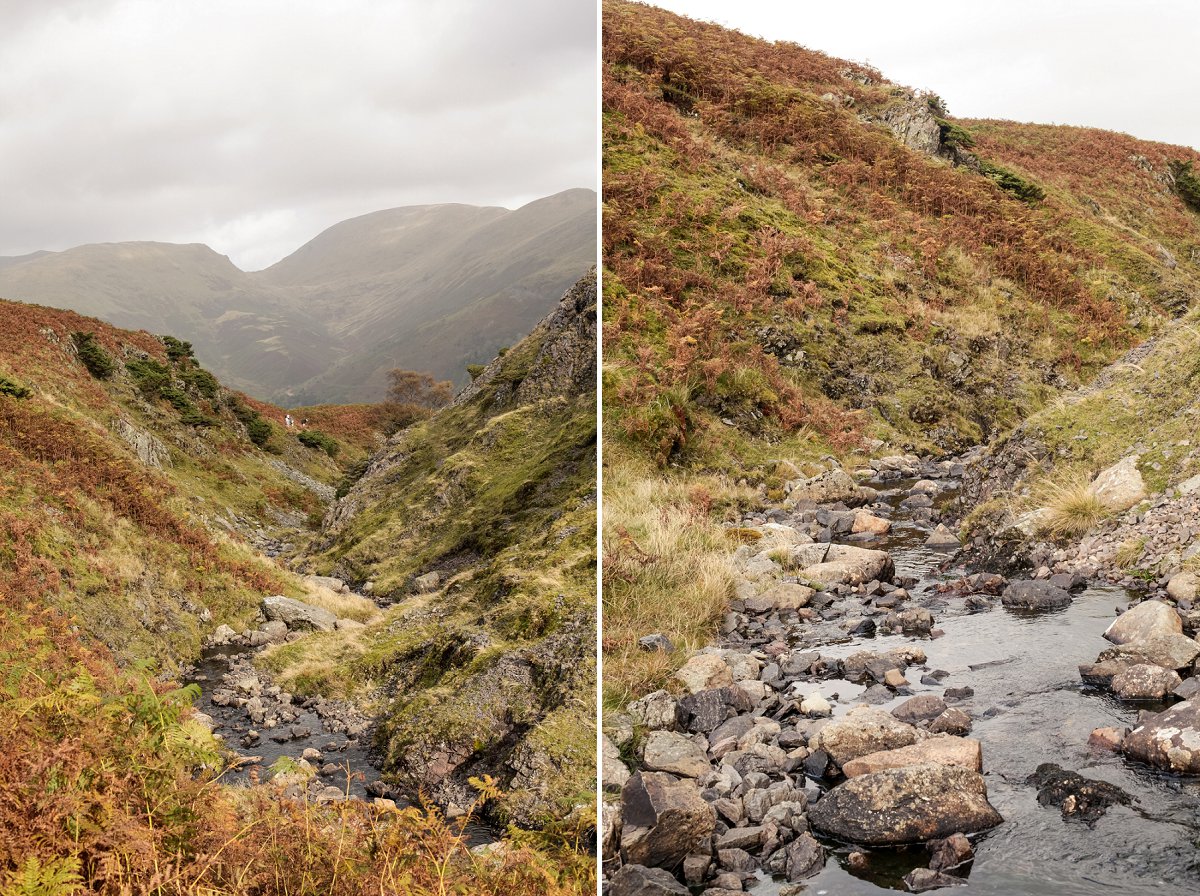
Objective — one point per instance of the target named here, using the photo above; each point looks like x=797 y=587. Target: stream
x=1028 y=707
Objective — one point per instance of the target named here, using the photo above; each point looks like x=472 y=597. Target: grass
x=1074 y=509
x=666 y=570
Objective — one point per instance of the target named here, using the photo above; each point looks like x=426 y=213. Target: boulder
x=828 y=488
x=1076 y=796
x=1144 y=682
x=869 y=523
x=941 y=537
x=1121 y=485
x=638 y=880
x=426 y=583
x=906 y=805
x=1033 y=595
x=922 y=708
x=655 y=711
x=297 y=615
x=1168 y=740
x=805 y=857
x=861 y=731
x=1169 y=651
x=1183 y=586
x=848 y=565
x=664 y=819
x=964 y=752
x=336 y=585
x=703 y=671
x=667 y=751
x=783 y=596
x=1143 y=621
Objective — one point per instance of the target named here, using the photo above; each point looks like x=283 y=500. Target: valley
x=899 y=514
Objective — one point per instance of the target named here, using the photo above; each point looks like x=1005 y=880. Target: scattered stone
x=1077 y=796
x=941 y=537
x=952 y=721
x=664 y=819
x=704 y=670
x=657 y=710
x=805 y=857
x=952 y=852
x=815 y=705
x=667 y=751
x=638 y=880
x=894 y=679
x=906 y=805
x=922 y=708
x=656 y=642
x=920 y=880
x=830 y=487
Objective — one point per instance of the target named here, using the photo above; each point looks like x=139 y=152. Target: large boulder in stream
x=1144 y=621
x=862 y=731
x=297 y=615
x=1169 y=651
x=1168 y=740
x=847 y=565
x=1034 y=595
x=906 y=805
x=664 y=819
x=830 y=487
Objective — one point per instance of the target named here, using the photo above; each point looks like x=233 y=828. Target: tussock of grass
x=344 y=606
x=1074 y=509
x=1129 y=552
x=666 y=569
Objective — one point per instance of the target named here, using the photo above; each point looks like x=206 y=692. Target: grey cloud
x=253 y=125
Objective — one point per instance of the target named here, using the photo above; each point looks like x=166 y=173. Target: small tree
x=420 y=389
x=98 y=362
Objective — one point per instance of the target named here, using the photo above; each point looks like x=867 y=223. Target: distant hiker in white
x=288 y=421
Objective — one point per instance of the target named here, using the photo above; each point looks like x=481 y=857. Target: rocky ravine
x=788 y=738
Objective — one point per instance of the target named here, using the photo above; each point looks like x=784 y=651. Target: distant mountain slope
x=478 y=527
x=803 y=249
x=429 y=288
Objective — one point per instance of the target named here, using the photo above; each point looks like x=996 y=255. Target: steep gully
x=1013 y=673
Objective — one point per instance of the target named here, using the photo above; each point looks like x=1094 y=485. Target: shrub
x=149 y=376
x=313 y=438
x=473 y=370
x=353 y=473
x=953 y=135
x=201 y=382
x=1187 y=185
x=259 y=430
x=98 y=362
x=1013 y=183
x=177 y=349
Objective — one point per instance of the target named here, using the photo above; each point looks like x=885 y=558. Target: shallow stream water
x=1030 y=707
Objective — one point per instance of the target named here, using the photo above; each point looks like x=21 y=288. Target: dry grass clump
x=666 y=569
x=341 y=605
x=1073 y=508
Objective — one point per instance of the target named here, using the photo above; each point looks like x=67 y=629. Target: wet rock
x=952 y=721
x=906 y=805
x=638 y=880
x=960 y=751
x=656 y=642
x=1169 y=651
x=921 y=880
x=911 y=621
x=1034 y=595
x=941 y=537
x=951 y=852
x=861 y=731
x=667 y=751
x=1143 y=622
x=870 y=524
x=849 y=565
x=805 y=857
x=1077 y=796
x=657 y=710
x=1101 y=674
x=664 y=819
x=1108 y=738
x=297 y=615
x=1144 y=682
x=1168 y=740
x=922 y=708
x=704 y=670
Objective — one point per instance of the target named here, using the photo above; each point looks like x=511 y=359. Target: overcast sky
x=1116 y=64
x=251 y=125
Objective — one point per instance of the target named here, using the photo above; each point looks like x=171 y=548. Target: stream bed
x=1029 y=707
